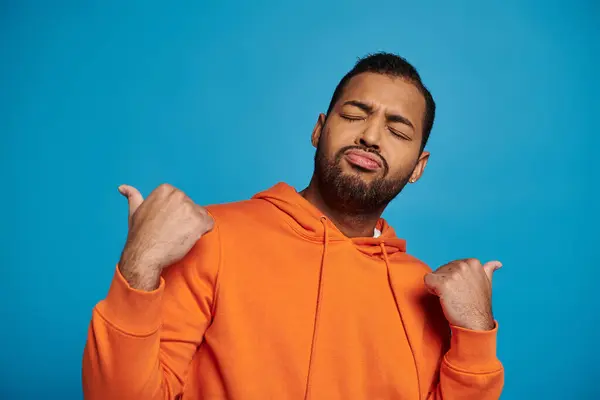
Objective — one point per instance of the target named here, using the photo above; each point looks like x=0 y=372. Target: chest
x=337 y=312
x=281 y=286
x=284 y=296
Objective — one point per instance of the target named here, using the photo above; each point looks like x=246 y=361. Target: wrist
x=145 y=280
x=486 y=324
x=139 y=273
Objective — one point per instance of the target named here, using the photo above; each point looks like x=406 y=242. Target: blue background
x=220 y=100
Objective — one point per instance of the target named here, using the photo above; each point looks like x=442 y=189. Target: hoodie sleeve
x=140 y=344
x=470 y=369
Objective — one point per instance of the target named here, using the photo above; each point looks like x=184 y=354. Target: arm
x=470 y=370
x=140 y=343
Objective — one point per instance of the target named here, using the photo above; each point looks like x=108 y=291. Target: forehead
x=392 y=94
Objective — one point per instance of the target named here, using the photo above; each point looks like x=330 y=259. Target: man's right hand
x=162 y=230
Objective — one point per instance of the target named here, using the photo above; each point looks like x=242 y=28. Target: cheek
x=327 y=149
x=333 y=141
x=402 y=162
x=343 y=134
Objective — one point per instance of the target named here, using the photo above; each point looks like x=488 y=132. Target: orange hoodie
x=276 y=303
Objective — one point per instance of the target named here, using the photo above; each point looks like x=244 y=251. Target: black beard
x=349 y=193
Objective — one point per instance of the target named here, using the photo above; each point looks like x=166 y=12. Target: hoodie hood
x=312 y=224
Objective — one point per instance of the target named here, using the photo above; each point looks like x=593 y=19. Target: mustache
x=343 y=151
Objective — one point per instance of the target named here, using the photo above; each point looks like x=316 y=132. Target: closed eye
x=352 y=118
x=399 y=134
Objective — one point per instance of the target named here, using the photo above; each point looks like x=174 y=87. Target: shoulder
x=232 y=221
x=415 y=264
x=234 y=213
x=244 y=217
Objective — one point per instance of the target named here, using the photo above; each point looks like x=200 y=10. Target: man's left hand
x=465 y=291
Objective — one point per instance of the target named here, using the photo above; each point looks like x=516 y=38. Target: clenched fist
x=162 y=230
x=465 y=291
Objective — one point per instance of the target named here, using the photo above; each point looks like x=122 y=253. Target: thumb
x=134 y=197
x=491 y=266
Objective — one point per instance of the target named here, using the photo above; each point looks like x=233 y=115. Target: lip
x=364 y=160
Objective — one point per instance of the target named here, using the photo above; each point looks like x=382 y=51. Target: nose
x=371 y=136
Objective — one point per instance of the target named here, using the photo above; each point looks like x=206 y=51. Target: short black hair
x=392 y=65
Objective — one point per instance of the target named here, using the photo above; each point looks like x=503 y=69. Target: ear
x=316 y=134
x=420 y=167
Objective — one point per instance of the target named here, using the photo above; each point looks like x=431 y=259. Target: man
x=300 y=295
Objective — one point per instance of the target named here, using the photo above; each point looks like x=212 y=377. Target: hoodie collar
x=306 y=220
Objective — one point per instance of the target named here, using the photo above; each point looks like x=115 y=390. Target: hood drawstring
x=318 y=306
x=387 y=266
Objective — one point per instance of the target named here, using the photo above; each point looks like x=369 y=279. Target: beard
x=349 y=193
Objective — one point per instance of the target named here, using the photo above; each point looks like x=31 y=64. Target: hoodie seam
x=467 y=372
x=317 y=240
x=217 y=287
x=122 y=331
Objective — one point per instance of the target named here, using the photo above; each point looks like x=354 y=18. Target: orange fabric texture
x=276 y=303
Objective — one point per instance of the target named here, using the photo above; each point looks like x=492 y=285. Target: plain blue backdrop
x=220 y=100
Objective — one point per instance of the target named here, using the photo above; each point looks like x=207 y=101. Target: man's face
x=370 y=144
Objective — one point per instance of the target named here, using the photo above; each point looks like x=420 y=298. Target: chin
x=359 y=179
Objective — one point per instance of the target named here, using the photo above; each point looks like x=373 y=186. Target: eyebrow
x=369 y=109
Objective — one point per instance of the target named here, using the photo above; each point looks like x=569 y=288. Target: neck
x=351 y=225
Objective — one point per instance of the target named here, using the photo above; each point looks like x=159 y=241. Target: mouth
x=364 y=160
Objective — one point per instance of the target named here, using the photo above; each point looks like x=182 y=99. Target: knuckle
x=188 y=207
x=196 y=210
x=210 y=223
x=456 y=275
x=165 y=187
x=464 y=263
x=473 y=262
x=201 y=217
x=204 y=222
x=178 y=195
x=457 y=266
x=206 y=217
